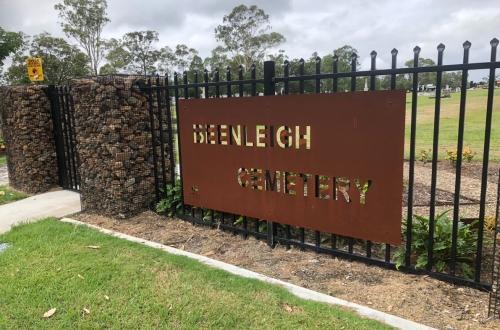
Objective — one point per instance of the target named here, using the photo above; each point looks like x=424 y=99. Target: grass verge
x=98 y=281
x=475 y=117
x=8 y=195
x=3 y=160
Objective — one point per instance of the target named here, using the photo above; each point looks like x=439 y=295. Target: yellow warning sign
x=35 y=71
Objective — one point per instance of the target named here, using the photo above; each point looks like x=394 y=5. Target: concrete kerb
x=298 y=291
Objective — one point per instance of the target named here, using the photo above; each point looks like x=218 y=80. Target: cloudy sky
x=308 y=25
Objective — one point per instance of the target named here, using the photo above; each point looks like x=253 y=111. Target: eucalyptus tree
x=183 y=56
x=84 y=21
x=10 y=42
x=117 y=57
x=246 y=34
x=143 y=54
x=61 y=61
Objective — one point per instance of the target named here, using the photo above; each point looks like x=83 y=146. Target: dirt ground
x=416 y=297
x=445 y=188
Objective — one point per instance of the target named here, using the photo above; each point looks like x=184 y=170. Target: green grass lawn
x=8 y=195
x=3 y=160
x=448 y=130
x=122 y=284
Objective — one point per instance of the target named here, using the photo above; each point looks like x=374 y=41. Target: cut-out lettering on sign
x=327 y=162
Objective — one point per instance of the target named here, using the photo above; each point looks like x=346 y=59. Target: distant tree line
x=245 y=37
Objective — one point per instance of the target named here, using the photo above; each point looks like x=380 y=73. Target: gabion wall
x=114 y=146
x=28 y=133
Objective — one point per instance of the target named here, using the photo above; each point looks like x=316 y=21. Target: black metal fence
x=494 y=301
x=62 y=109
x=245 y=83
x=162 y=137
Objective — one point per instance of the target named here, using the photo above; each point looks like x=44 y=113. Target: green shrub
x=172 y=203
x=466 y=244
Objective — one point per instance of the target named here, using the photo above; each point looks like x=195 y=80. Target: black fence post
x=269 y=74
x=486 y=159
x=270 y=89
x=411 y=165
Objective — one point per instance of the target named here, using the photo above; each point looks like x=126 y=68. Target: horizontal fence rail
x=246 y=84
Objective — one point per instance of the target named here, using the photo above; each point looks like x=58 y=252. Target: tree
x=246 y=31
x=166 y=61
x=344 y=55
x=84 y=20
x=218 y=59
x=452 y=79
x=61 y=61
x=183 y=56
x=196 y=64
x=424 y=78
x=10 y=42
x=344 y=61
x=143 y=55
x=117 y=57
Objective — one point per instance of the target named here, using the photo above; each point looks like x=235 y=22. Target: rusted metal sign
x=328 y=162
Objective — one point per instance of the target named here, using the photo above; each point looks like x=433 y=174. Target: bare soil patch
x=419 y=298
x=445 y=189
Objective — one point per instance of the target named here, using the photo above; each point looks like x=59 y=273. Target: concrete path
x=55 y=203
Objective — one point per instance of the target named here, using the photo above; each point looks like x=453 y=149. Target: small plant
x=468 y=154
x=490 y=223
x=239 y=220
x=451 y=156
x=211 y=215
x=424 y=155
x=466 y=244
x=208 y=216
x=172 y=203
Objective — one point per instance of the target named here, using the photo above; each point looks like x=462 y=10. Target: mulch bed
x=422 y=197
x=419 y=298
x=474 y=170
